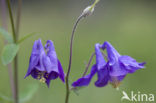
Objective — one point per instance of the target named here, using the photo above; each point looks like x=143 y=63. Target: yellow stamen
x=42 y=80
x=40 y=76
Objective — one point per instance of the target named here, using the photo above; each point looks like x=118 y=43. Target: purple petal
x=100 y=61
x=53 y=75
x=130 y=64
x=116 y=70
x=103 y=77
x=35 y=58
x=48 y=65
x=84 y=81
x=34 y=73
x=117 y=78
x=51 y=59
x=61 y=72
x=120 y=78
x=113 y=55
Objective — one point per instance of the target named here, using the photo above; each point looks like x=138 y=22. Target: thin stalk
x=4 y=25
x=16 y=78
x=11 y=20
x=16 y=58
x=18 y=19
x=87 y=66
x=70 y=59
x=11 y=78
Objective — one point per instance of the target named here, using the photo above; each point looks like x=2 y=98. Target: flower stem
x=16 y=57
x=11 y=20
x=70 y=59
x=87 y=66
x=4 y=25
x=16 y=78
x=18 y=18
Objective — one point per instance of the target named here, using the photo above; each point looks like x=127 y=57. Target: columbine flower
x=113 y=71
x=119 y=65
x=44 y=66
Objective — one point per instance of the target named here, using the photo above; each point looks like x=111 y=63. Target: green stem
x=11 y=20
x=4 y=25
x=18 y=19
x=16 y=78
x=70 y=59
x=16 y=58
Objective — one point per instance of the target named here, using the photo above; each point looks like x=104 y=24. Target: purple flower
x=113 y=71
x=44 y=66
x=119 y=65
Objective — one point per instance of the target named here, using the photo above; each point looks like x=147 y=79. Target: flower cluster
x=112 y=71
x=44 y=64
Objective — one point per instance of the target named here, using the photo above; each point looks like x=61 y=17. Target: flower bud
x=87 y=11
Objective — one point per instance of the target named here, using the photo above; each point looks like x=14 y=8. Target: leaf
x=3 y=97
x=28 y=93
x=25 y=37
x=6 y=35
x=9 y=52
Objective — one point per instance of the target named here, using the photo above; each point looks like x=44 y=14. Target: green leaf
x=26 y=37
x=6 y=35
x=5 y=98
x=9 y=52
x=28 y=92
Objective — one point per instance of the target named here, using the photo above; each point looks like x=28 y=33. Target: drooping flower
x=44 y=66
x=119 y=65
x=113 y=71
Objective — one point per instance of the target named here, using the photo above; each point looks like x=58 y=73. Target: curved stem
x=70 y=59
x=90 y=60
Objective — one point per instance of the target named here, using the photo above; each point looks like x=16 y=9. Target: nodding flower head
x=113 y=71
x=119 y=65
x=44 y=66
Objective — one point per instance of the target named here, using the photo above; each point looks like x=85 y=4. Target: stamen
x=42 y=80
x=115 y=83
x=40 y=76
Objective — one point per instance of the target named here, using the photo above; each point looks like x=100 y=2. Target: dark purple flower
x=113 y=71
x=44 y=66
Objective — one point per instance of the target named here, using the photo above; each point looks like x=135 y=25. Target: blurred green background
x=129 y=25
